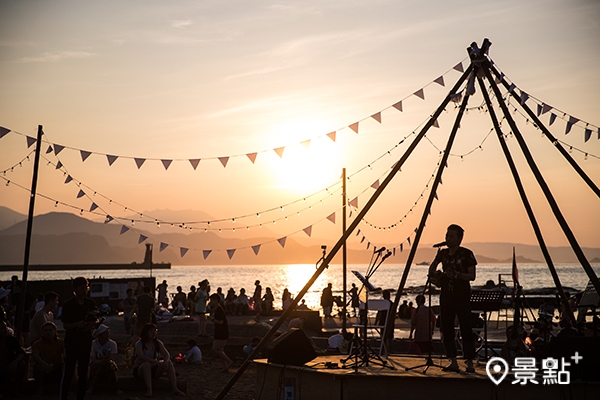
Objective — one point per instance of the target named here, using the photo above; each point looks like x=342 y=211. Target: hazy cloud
x=179 y=24
x=52 y=57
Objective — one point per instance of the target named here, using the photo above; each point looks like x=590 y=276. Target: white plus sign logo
x=576 y=357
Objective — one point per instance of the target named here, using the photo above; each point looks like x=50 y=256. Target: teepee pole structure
x=338 y=245
x=524 y=199
x=543 y=185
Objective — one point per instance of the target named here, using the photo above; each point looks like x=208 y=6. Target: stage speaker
x=292 y=348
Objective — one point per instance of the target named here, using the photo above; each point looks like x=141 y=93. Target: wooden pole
x=348 y=232
x=36 y=164
x=344 y=249
x=524 y=199
x=549 y=135
x=544 y=186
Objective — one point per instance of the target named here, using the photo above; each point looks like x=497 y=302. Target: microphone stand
x=429 y=361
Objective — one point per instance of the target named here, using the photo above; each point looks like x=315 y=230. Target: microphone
x=380 y=250
x=440 y=244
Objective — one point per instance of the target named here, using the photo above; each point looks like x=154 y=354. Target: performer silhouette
x=458 y=266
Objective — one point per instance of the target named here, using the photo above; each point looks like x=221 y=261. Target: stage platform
x=317 y=380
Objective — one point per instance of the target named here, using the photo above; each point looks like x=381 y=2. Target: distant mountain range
x=64 y=238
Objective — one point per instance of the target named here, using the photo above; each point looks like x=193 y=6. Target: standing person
x=268 y=300
x=128 y=304
x=43 y=315
x=144 y=309
x=147 y=366
x=162 y=294
x=221 y=332
x=403 y=312
x=201 y=298
x=257 y=297
x=354 y=302
x=422 y=324
x=78 y=323
x=179 y=301
x=103 y=368
x=458 y=265
x=286 y=299
x=191 y=303
x=327 y=300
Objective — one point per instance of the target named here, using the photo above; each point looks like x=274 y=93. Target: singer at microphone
x=458 y=266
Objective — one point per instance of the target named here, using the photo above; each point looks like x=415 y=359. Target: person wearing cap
x=79 y=323
x=48 y=357
x=103 y=368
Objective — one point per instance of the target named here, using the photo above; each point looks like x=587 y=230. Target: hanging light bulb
x=586 y=156
x=81 y=212
x=257 y=215
x=7 y=182
x=132 y=223
x=56 y=204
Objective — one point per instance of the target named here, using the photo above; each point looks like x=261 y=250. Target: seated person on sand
x=193 y=355
x=48 y=358
x=302 y=306
x=152 y=360
x=103 y=368
x=12 y=361
x=229 y=301
x=240 y=304
x=249 y=348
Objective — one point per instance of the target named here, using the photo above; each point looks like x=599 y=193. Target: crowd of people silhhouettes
x=87 y=354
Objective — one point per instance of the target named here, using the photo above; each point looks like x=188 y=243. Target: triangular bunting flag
x=59 y=165
x=354 y=127
x=139 y=162
x=546 y=108
x=420 y=93
x=58 y=148
x=436 y=124
x=111 y=159
x=84 y=154
x=49 y=149
x=368 y=245
x=377 y=117
x=230 y=253
x=80 y=194
x=331 y=217
x=524 y=97
x=93 y=207
x=142 y=238
x=440 y=81
x=166 y=163
x=375 y=184
x=163 y=246
x=358 y=232
x=435 y=196
x=539 y=110
x=206 y=253
x=3 y=131
x=224 y=161
x=588 y=134
x=459 y=67
x=124 y=229
x=282 y=241
x=30 y=141
x=363 y=239
x=69 y=179
x=552 y=118
x=499 y=78
x=194 y=163
x=394 y=251
x=279 y=151
x=354 y=202
x=572 y=121
x=398 y=105
x=183 y=251
x=401 y=247
x=252 y=157
x=108 y=219
x=256 y=249
x=512 y=87
x=308 y=230
x=408 y=239
x=306 y=143
x=331 y=135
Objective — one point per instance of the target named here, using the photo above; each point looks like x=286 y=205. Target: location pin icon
x=494 y=367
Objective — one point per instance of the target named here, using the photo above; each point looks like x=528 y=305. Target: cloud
x=53 y=57
x=179 y=24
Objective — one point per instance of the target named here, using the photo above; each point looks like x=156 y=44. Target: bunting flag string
x=399 y=246
x=166 y=161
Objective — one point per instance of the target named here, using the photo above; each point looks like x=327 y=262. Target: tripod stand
x=361 y=352
x=429 y=361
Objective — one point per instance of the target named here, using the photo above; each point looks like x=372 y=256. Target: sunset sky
x=201 y=80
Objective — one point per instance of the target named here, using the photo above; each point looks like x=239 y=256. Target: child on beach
x=221 y=331
x=193 y=355
x=249 y=348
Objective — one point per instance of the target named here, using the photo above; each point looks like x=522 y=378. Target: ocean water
x=533 y=277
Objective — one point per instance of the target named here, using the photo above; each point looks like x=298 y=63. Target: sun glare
x=308 y=166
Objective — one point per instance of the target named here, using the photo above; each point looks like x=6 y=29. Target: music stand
x=361 y=351
x=486 y=300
